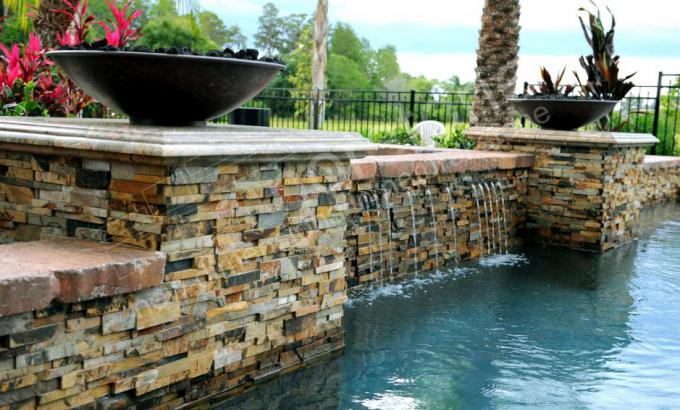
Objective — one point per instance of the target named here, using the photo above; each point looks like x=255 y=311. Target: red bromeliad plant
x=30 y=84
x=121 y=31
x=81 y=23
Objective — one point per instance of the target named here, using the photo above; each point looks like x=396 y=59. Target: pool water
x=540 y=328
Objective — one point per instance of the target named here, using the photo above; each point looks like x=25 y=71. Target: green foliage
x=278 y=35
x=213 y=27
x=453 y=85
x=12 y=32
x=24 y=103
x=400 y=136
x=166 y=28
x=345 y=74
x=455 y=138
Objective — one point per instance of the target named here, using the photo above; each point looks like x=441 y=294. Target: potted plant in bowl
x=167 y=86
x=554 y=107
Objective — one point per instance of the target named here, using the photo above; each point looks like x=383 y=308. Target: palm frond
x=192 y=8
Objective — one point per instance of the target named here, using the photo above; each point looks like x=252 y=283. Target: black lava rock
x=247 y=54
x=99 y=44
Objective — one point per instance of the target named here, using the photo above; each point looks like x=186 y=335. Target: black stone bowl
x=562 y=114
x=164 y=89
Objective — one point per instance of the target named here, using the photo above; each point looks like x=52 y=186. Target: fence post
x=657 y=113
x=315 y=109
x=412 y=109
x=523 y=121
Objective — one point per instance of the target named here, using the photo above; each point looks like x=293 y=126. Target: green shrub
x=399 y=136
x=455 y=138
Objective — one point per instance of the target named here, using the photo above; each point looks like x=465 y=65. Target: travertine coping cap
x=659 y=161
x=553 y=137
x=33 y=274
x=443 y=161
x=229 y=142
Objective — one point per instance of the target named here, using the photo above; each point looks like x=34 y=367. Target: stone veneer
x=660 y=180
x=582 y=187
x=380 y=237
x=253 y=232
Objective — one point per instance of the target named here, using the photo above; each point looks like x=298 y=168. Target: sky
x=438 y=38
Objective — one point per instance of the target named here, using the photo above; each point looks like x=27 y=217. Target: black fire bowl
x=164 y=89
x=562 y=114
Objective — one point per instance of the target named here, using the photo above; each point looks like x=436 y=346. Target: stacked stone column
x=582 y=189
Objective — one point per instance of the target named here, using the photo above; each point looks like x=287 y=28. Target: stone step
x=33 y=274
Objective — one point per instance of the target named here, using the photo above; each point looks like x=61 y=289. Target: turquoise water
x=541 y=328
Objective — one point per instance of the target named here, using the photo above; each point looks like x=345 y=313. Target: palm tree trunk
x=48 y=23
x=497 y=58
x=319 y=60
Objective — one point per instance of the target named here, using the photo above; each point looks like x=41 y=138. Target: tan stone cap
x=442 y=161
x=239 y=143
x=659 y=162
x=33 y=274
x=554 y=137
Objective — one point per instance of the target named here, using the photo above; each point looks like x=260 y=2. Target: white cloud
x=443 y=66
x=536 y=14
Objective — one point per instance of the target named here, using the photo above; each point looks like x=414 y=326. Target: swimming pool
x=542 y=327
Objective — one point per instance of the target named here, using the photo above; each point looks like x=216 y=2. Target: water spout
x=485 y=187
x=389 y=234
x=505 y=219
x=415 y=235
x=434 y=228
x=367 y=206
x=491 y=248
x=489 y=216
x=380 y=241
x=479 y=218
x=492 y=188
x=452 y=215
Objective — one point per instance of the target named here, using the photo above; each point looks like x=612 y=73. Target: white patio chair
x=429 y=129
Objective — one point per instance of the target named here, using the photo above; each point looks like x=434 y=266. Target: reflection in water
x=310 y=388
x=541 y=328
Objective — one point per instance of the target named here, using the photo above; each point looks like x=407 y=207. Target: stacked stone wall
x=254 y=281
x=380 y=236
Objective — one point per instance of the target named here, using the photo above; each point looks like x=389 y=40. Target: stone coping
x=553 y=137
x=228 y=142
x=33 y=274
x=661 y=162
x=442 y=161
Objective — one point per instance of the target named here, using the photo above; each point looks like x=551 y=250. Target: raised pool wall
x=401 y=217
x=252 y=224
x=262 y=231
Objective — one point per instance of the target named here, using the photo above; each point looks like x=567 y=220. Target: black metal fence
x=646 y=109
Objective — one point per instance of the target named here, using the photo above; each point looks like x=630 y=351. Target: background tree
x=496 y=64
x=212 y=26
x=278 y=35
x=166 y=28
x=235 y=39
